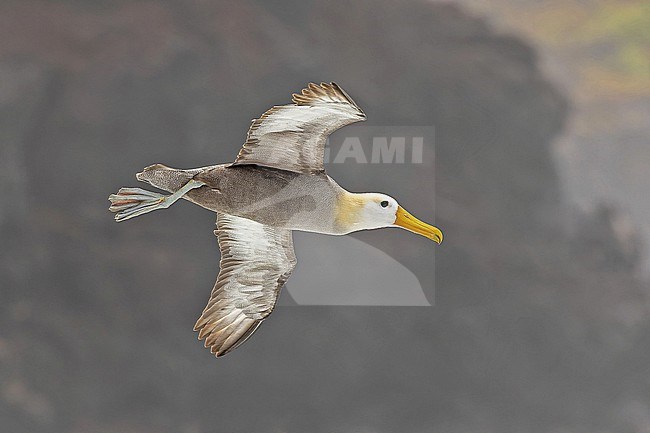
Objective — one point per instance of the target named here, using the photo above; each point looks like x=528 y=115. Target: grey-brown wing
x=256 y=261
x=292 y=137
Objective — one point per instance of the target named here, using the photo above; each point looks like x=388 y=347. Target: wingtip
x=328 y=92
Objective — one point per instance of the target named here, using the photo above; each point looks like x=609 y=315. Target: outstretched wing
x=256 y=261
x=292 y=137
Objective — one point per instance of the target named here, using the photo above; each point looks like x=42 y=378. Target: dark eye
x=383 y=203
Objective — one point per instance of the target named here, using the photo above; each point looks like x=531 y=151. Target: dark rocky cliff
x=531 y=332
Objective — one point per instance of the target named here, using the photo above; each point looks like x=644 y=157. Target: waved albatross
x=276 y=184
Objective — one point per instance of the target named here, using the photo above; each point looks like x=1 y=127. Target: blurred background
x=541 y=320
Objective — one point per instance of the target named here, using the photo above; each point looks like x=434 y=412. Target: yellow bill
x=409 y=222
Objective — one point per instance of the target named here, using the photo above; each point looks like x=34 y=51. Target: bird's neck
x=348 y=212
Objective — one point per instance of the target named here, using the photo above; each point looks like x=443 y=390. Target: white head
x=375 y=210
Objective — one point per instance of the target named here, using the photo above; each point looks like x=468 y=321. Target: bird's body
x=276 y=198
x=277 y=184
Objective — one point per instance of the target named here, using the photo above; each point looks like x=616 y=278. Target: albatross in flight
x=276 y=184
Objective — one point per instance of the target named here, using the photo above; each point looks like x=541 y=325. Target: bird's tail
x=166 y=178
